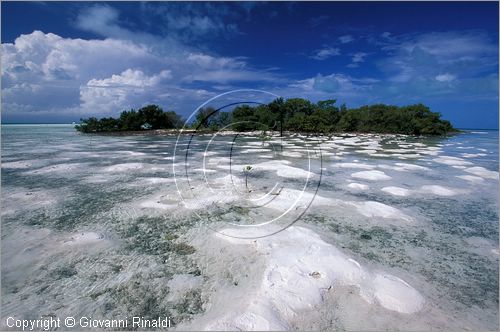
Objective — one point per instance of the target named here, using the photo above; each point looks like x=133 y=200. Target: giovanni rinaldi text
x=50 y=323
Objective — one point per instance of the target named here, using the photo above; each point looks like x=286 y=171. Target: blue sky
x=65 y=60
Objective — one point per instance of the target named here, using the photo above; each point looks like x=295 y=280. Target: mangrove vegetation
x=292 y=115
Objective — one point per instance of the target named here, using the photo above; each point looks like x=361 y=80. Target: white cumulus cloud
x=44 y=73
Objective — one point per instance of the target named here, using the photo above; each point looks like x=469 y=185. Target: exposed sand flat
x=203 y=170
x=410 y=167
x=124 y=167
x=59 y=169
x=180 y=284
x=429 y=152
x=253 y=150
x=134 y=153
x=371 y=175
x=161 y=200
x=32 y=246
x=408 y=156
x=438 y=190
x=396 y=295
x=370 y=152
x=12 y=200
x=298 y=200
x=152 y=204
x=470 y=178
x=84 y=238
x=357 y=186
x=138 y=167
x=292 y=271
x=293 y=172
x=295 y=154
x=373 y=209
x=452 y=161
x=353 y=165
x=225 y=190
x=281 y=167
x=482 y=172
x=473 y=155
x=396 y=191
x=156 y=180
x=209 y=153
x=17 y=164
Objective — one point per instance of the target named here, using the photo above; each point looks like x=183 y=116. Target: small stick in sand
x=247 y=170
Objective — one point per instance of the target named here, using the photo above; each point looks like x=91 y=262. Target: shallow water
x=100 y=226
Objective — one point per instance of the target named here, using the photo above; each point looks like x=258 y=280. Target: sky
x=62 y=61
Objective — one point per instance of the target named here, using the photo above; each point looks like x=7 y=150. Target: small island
x=293 y=115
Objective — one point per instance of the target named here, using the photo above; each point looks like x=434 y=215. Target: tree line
x=145 y=118
x=295 y=115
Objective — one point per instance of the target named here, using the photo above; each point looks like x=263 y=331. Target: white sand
x=180 y=284
x=84 y=238
x=397 y=191
x=59 y=168
x=396 y=295
x=482 y=172
x=156 y=180
x=438 y=190
x=470 y=178
x=253 y=150
x=371 y=175
x=124 y=167
x=410 y=167
x=370 y=152
x=203 y=170
x=293 y=172
x=353 y=165
x=281 y=168
x=373 y=209
x=16 y=164
x=134 y=153
x=154 y=204
x=294 y=154
x=452 y=161
x=12 y=201
x=357 y=186
x=473 y=155
x=292 y=270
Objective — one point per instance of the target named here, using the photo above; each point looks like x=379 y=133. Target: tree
x=244 y=118
x=153 y=114
x=149 y=117
x=297 y=114
x=130 y=120
x=173 y=120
